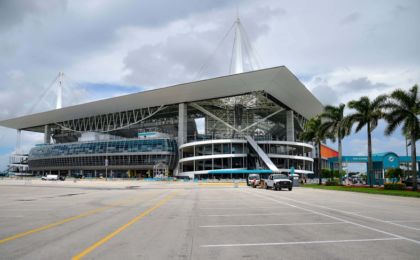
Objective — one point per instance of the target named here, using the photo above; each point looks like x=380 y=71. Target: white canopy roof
x=279 y=82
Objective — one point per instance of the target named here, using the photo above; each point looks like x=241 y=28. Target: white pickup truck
x=278 y=181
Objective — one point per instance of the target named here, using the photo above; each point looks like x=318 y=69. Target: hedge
x=331 y=183
x=394 y=186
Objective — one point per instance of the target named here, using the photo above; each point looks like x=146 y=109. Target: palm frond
x=359 y=126
x=401 y=98
x=403 y=109
x=378 y=102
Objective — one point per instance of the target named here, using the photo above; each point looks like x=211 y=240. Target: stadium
x=223 y=127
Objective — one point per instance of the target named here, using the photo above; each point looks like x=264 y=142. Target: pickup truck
x=52 y=177
x=278 y=181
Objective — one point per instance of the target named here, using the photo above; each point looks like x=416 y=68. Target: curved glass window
x=107 y=147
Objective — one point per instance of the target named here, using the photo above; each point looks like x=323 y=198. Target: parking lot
x=62 y=220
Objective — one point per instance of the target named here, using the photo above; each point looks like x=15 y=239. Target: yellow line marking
x=121 y=228
x=54 y=224
x=4 y=240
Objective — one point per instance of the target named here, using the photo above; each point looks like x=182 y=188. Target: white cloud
x=343 y=85
x=189 y=44
x=340 y=50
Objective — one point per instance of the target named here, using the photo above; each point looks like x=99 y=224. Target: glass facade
x=142 y=153
x=214 y=136
x=236 y=154
x=111 y=147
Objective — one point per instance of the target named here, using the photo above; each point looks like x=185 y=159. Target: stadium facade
x=221 y=127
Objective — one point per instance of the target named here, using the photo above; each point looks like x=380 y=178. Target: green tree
x=367 y=113
x=394 y=174
x=403 y=108
x=336 y=124
x=314 y=132
x=326 y=173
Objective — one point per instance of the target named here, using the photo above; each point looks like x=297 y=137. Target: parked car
x=278 y=181
x=53 y=177
x=409 y=181
x=253 y=180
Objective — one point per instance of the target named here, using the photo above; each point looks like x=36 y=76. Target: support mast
x=239 y=61
x=60 y=90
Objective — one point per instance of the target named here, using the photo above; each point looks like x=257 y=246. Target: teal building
x=381 y=162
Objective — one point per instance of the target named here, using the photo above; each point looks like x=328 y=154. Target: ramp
x=262 y=154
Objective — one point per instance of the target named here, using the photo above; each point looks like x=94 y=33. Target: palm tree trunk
x=340 y=158
x=414 y=160
x=370 y=166
x=319 y=163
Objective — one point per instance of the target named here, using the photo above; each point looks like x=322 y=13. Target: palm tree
x=403 y=108
x=336 y=124
x=367 y=113
x=314 y=132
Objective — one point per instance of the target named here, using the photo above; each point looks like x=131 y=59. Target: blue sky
x=96 y=91
x=340 y=50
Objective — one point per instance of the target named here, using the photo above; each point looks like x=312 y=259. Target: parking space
x=190 y=221
x=297 y=225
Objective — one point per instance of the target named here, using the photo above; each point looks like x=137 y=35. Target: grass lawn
x=406 y=193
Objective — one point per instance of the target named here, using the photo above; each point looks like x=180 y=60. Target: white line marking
x=238 y=200
x=236 y=208
x=404 y=226
x=336 y=218
x=256 y=214
x=268 y=225
x=355 y=214
x=404 y=221
x=303 y=242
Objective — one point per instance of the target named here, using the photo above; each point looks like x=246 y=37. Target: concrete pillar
x=18 y=141
x=290 y=126
x=47 y=135
x=182 y=123
x=418 y=167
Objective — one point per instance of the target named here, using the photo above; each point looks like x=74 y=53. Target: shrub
x=326 y=173
x=338 y=174
x=331 y=183
x=394 y=186
x=394 y=173
x=330 y=174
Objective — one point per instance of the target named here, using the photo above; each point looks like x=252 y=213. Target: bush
x=326 y=173
x=394 y=186
x=394 y=173
x=332 y=183
x=330 y=174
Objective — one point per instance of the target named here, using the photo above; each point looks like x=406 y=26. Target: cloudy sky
x=340 y=50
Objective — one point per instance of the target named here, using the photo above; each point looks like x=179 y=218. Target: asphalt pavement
x=137 y=220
